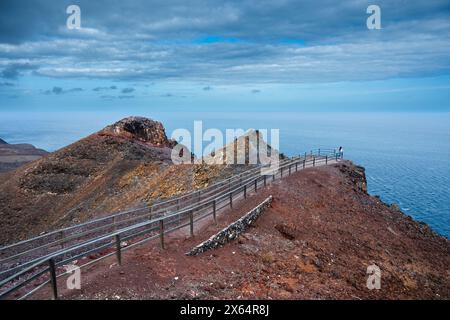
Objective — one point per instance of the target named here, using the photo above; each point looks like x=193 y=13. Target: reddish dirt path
x=315 y=242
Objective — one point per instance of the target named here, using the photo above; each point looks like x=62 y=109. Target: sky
x=224 y=56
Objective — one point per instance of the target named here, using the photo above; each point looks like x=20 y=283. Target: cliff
x=316 y=241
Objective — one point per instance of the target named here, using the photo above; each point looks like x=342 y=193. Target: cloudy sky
x=225 y=55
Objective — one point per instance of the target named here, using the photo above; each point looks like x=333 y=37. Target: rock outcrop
x=140 y=129
x=248 y=148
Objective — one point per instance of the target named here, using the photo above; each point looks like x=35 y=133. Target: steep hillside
x=316 y=241
x=124 y=165
x=245 y=149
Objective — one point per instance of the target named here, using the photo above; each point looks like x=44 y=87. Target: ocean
x=406 y=155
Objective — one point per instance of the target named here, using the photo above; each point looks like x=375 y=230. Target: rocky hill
x=124 y=165
x=316 y=241
x=245 y=149
x=13 y=156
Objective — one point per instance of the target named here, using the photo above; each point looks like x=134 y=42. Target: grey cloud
x=127 y=90
x=255 y=91
x=105 y=88
x=59 y=90
x=239 y=41
x=14 y=70
x=207 y=88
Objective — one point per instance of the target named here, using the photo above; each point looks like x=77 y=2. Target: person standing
x=341 y=152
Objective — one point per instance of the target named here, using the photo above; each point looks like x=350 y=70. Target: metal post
x=290 y=169
x=61 y=238
x=326 y=159
x=256 y=184
x=319 y=151
x=265 y=180
x=231 y=199
x=52 y=269
x=296 y=166
x=281 y=172
x=118 y=250
x=273 y=177
x=304 y=163
x=161 y=233
x=245 y=191
x=314 y=161
x=214 y=211
x=191 y=222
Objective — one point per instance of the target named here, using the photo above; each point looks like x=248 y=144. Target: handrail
x=153 y=222
x=118 y=214
x=114 y=223
x=77 y=236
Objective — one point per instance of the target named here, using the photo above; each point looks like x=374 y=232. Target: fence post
x=52 y=269
x=290 y=169
x=273 y=177
x=191 y=222
x=118 y=250
x=265 y=180
x=214 y=211
x=231 y=199
x=326 y=159
x=281 y=172
x=319 y=151
x=161 y=232
x=245 y=191
x=296 y=166
x=61 y=238
x=314 y=161
x=256 y=184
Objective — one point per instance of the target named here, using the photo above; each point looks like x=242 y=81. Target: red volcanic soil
x=315 y=242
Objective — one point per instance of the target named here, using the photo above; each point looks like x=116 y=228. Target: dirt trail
x=315 y=242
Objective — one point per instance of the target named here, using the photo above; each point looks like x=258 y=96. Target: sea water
x=406 y=155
